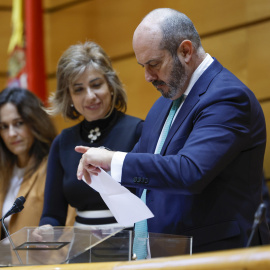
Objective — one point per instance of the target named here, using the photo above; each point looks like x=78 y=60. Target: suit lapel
x=199 y=88
x=158 y=125
x=27 y=184
x=183 y=113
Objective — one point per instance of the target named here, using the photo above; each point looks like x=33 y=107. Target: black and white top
x=119 y=132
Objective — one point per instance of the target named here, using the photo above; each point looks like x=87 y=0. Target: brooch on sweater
x=94 y=134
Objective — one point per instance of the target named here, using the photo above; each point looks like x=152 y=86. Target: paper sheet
x=126 y=207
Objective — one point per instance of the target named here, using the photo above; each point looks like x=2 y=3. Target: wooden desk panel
x=237 y=259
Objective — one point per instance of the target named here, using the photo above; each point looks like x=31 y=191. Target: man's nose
x=150 y=76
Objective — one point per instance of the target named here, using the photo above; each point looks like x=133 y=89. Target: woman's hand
x=43 y=233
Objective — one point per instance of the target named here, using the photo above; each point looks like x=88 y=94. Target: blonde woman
x=87 y=87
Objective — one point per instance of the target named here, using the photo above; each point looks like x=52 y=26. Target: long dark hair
x=31 y=110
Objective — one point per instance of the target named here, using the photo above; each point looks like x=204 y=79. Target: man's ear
x=185 y=51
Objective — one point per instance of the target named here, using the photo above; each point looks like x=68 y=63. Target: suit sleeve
x=55 y=204
x=220 y=128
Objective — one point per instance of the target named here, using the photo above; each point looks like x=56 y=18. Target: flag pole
x=35 y=62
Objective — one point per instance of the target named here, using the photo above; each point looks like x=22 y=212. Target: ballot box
x=62 y=245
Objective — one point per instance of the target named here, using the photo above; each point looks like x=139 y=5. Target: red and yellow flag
x=26 y=49
x=16 y=50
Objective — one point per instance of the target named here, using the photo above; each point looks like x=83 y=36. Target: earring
x=71 y=105
x=111 y=93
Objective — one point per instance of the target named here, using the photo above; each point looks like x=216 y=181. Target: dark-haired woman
x=26 y=134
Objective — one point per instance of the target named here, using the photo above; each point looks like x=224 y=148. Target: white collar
x=198 y=72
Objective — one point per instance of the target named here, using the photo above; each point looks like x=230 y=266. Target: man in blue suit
x=206 y=180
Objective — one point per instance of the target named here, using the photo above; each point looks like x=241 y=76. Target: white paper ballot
x=126 y=207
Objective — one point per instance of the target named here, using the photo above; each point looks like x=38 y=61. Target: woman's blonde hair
x=74 y=61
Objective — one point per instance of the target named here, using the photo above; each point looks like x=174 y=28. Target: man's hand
x=92 y=160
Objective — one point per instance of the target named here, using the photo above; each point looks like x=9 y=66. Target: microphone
x=258 y=218
x=16 y=207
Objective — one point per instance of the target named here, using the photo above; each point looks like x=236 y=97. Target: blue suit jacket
x=206 y=182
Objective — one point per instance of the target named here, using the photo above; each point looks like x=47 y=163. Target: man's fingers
x=80 y=170
x=87 y=177
x=92 y=160
x=92 y=169
x=81 y=149
x=84 y=168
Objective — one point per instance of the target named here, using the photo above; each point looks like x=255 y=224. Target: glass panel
x=163 y=245
x=80 y=244
x=59 y=245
